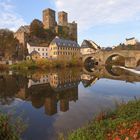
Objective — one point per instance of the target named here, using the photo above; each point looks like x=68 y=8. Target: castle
x=62 y=27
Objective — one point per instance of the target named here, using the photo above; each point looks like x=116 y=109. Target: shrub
x=10 y=129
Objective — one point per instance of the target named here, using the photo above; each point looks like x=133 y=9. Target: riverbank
x=41 y=64
x=120 y=124
x=45 y=64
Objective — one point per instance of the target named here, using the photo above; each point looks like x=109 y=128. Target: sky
x=106 y=22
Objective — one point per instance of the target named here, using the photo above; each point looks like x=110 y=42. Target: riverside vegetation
x=45 y=64
x=120 y=124
x=11 y=129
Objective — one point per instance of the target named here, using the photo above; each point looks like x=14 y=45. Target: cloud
x=8 y=17
x=91 y=13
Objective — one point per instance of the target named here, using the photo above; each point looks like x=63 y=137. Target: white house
x=41 y=50
x=131 y=41
x=89 y=47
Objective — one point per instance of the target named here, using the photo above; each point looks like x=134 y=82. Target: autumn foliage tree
x=36 y=29
x=8 y=44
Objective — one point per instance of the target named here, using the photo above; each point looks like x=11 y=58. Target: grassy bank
x=121 y=124
x=45 y=64
x=10 y=129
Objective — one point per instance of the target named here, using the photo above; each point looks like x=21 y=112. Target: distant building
x=62 y=49
x=37 y=52
x=89 y=47
x=131 y=41
x=108 y=49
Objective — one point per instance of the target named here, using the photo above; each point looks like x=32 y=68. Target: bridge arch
x=115 y=59
x=89 y=61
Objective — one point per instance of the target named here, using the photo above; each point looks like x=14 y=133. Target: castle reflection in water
x=49 y=90
x=56 y=89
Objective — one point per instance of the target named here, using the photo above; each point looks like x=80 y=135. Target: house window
x=38 y=49
x=42 y=49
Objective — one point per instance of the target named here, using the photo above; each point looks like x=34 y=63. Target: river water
x=59 y=101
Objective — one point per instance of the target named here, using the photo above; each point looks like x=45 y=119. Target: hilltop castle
x=62 y=27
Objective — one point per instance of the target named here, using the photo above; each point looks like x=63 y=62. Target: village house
x=89 y=47
x=37 y=52
x=131 y=41
x=62 y=49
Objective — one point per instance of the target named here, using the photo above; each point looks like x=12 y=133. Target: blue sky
x=107 y=22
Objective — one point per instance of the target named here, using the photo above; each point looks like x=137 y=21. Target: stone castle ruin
x=62 y=27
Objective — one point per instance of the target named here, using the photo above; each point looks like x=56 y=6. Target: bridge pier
x=130 y=62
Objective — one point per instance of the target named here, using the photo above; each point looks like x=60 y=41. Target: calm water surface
x=62 y=100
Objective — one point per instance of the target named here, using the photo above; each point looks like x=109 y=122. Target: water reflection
x=50 y=89
x=56 y=101
x=41 y=89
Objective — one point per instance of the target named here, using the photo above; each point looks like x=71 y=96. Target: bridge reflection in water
x=56 y=88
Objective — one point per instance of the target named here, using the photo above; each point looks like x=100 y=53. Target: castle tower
x=73 y=31
x=49 y=19
x=62 y=18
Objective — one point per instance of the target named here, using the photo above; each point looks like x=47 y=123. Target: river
x=59 y=101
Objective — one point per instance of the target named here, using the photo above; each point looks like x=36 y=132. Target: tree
x=36 y=29
x=8 y=43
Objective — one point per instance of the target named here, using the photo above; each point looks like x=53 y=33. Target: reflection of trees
x=9 y=87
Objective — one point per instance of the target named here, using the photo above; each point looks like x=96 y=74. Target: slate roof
x=64 y=43
x=130 y=38
x=91 y=44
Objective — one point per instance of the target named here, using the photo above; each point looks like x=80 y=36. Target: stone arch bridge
x=131 y=57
